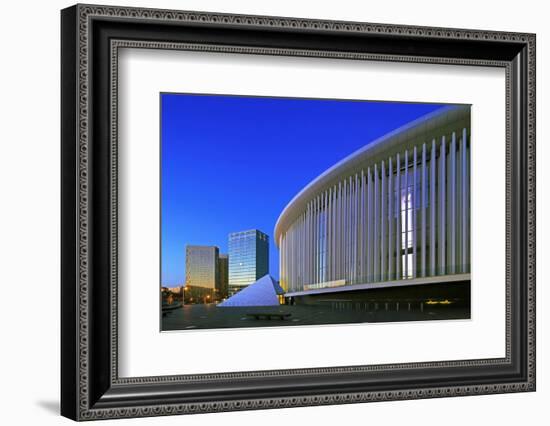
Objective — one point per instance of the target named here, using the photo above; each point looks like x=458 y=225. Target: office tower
x=223 y=276
x=248 y=258
x=201 y=266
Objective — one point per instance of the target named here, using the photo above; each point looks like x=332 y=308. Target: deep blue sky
x=231 y=163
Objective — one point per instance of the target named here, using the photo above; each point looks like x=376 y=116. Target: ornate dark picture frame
x=90 y=38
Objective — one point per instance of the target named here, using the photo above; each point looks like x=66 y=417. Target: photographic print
x=297 y=211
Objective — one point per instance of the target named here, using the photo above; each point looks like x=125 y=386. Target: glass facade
x=223 y=276
x=410 y=208
x=248 y=258
x=201 y=266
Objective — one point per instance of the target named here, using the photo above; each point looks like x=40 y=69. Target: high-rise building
x=201 y=266
x=223 y=276
x=248 y=258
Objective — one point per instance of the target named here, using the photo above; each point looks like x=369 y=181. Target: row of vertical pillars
x=401 y=218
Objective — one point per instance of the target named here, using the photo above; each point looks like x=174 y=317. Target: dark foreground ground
x=190 y=317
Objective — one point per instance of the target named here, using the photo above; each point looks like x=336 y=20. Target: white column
x=352 y=229
x=330 y=257
x=391 y=198
x=383 y=220
x=433 y=205
x=327 y=228
x=281 y=262
x=305 y=236
x=319 y=234
x=289 y=257
x=362 y=231
x=312 y=218
x=330 y=235
x=398 y=230
x=339 y=232
x=442 y=209
x=467 y=204
x=357 y=228
x=302 y=251
x=294 y=255
x=312 y=242
x=376 y=221
x=298 y=256
x=336 y=235
x=345 y=231
x=423 y=213
x=349 y=231
x=405 y=198
x=315 y=239
x=452 y=198
x=464 y=194
x=414 y=224
x=369 y=226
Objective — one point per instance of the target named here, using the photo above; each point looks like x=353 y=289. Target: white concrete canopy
x=263 y=292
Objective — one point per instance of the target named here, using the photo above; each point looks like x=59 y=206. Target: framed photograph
x=263 y=212
x=374 y=238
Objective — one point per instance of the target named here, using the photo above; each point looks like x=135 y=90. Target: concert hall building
x=394 y=214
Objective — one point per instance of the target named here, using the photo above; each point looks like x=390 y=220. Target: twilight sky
x=232 y=163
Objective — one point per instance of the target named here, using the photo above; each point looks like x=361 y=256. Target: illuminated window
x=410 y=203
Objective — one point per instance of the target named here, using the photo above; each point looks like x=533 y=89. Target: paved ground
x=210 y=316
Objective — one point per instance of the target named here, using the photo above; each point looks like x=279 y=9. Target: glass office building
x=397 y=209
x=223 y=275
x=201 y=266
x=248 y=258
